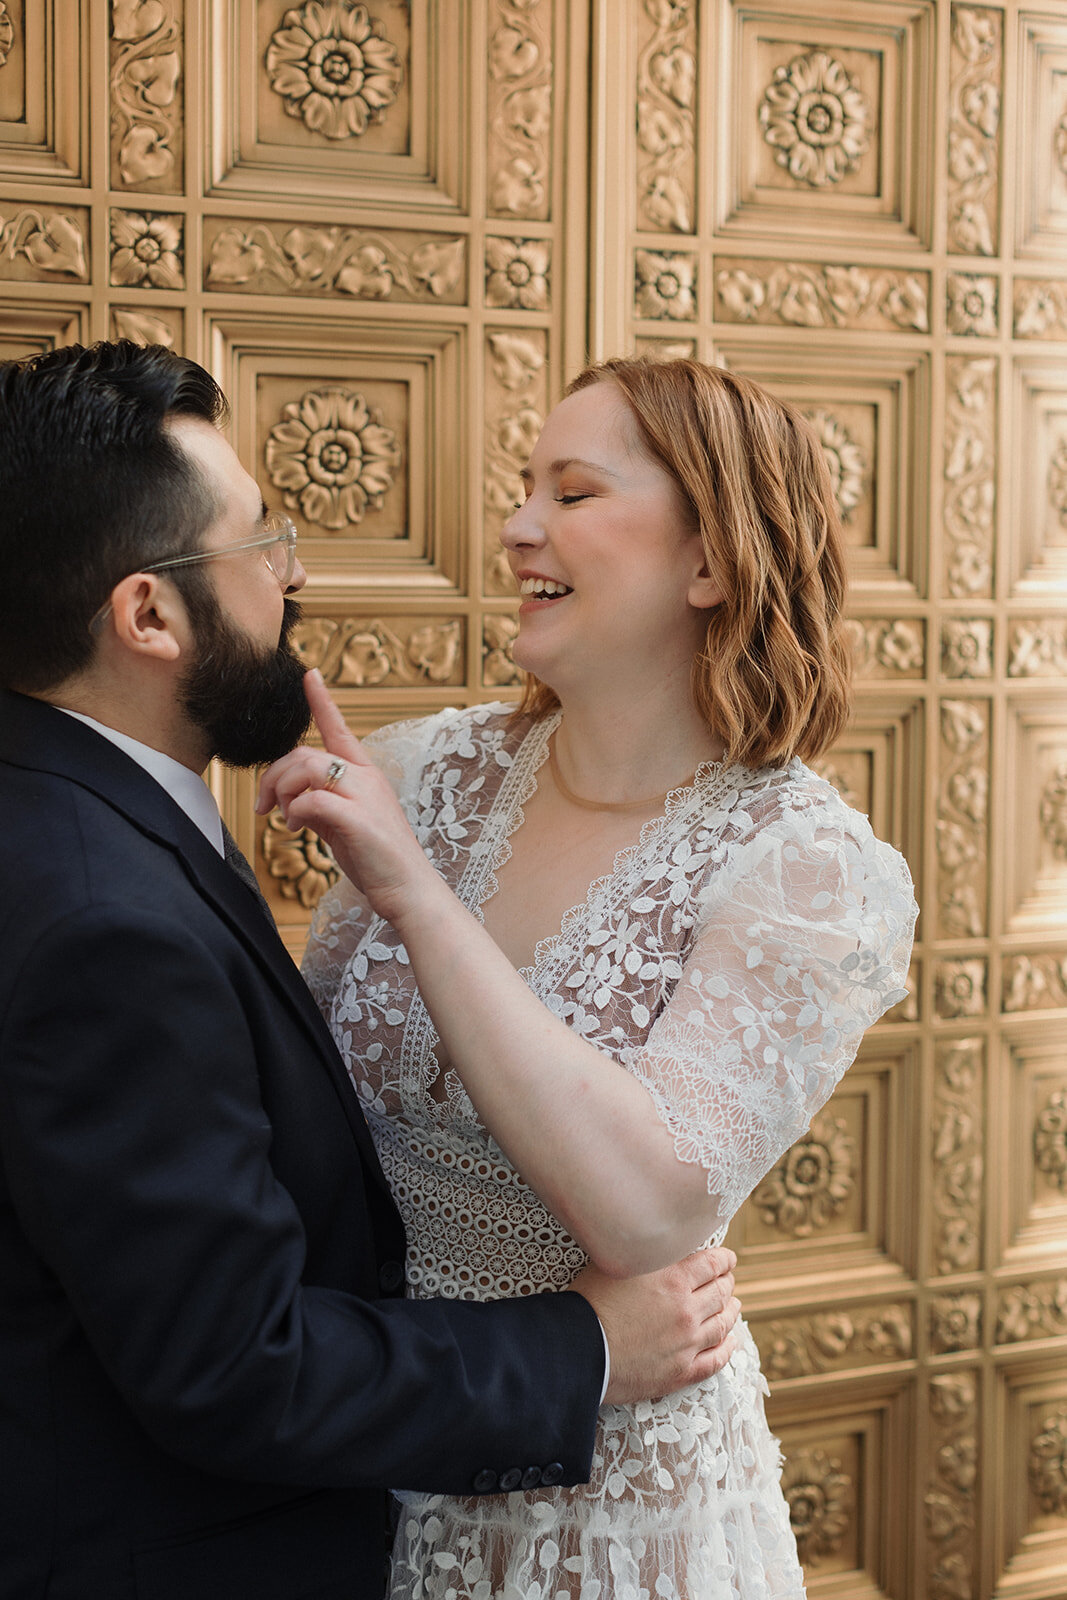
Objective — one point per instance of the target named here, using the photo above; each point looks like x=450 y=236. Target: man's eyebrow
x=556 y=467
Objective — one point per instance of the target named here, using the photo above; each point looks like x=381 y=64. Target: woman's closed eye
x=571 y=499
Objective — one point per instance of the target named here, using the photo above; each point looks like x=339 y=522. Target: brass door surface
x=393 y=231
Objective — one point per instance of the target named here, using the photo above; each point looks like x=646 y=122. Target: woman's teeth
x=542 y=588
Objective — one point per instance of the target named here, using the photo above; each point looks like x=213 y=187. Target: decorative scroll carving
x=263 y=258
x=1035 y=983
x=362 y=653
x=833 y=1341
x=301 y=862
x=1032 y=1311
x=666 y=94
x=974 y=127
x=815 y=119
x=39 y=241
x=516 y=373
x=334 y=68
x=147 y=250
x=332 y=457
x=955 y=1322
x=516 y=273
x=1047 y=1467
x=803 y=294
x=666 y=285
x=970 y=452
x=957 y=1151
x=146 y=69
x=959 y=988
x=951 y=1489
x=498 y=668
x=962 y=829
x=7 y=34
x=520 y=109
x=1040 y=309
x=884 y=646
x=1050 y=1139
x=812 y=1181
x=142 y=327
x=821 y=1500
x=967 y=647
x=849 y=467
x=972 y=304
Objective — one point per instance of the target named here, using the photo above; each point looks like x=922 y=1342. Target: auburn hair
x=772 y=678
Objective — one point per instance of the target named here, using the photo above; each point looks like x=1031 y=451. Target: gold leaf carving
x=950 y=1494
x=520 y=110
x=332 y=457
x=962 y=832
x=955 y=1322
x=666 y=91
x=1040 y=309
x=967 y=647
x=1035 y=983
x=36 y=242
x=334 y=68
x=666 y=285
x=972 y=304
x=498 y=636
x=260 y=258
x=7 y=34
x=146 y=70
x=142 y=327
x=1050 y=1139
x=957 y=1151
x=884 y=646
x=516 y=273
x=1032 y=1311
x=960 y=988
x=970 y=452
x=1037 y=648
x=301 y=862
x=810 y=1184
x=358 y=653
x=812 y=296
x=146 y=250
x=974 y=130
x=1048 y=1463
x=815 y=119
x=821 y=1500
x=516 y=358
x=834 y=1341
x=516 y=379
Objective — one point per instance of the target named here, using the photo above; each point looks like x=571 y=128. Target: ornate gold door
x=392 y=231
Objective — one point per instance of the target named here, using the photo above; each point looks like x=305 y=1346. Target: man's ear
x=148 y=617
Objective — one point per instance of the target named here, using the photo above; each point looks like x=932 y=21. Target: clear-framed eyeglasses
x=277 y=542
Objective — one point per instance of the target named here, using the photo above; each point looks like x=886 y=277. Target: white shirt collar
x=187 y=789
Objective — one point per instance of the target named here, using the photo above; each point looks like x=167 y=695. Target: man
x=208 y=1372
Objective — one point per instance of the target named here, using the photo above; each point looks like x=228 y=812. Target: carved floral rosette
x=809 y=1187
x=300 y=863
x=887 y=647
x=962 y=831
x=1047 y=1466
x=821 y=1500
x=816 y=119
x=951 y=1493
x=43 y=242
x=1040 y=309
x=807 y=295
x=666 y=97
x=146 y=107
x=333 y=68
x=147 y=250
x=957 y=1156
x=834 y=1341
x=332 y=457
x=970 y=485
x=520 y=109
x=516 y=399
x=976 y=65
x=1028 y=1311
x=364 y=264
x=955 y=1322
x=370 y=653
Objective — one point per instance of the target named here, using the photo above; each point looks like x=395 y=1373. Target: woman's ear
x=704 y=590
x=148 y=617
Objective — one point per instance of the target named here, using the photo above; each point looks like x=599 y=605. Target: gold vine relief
x=331 y=260
x=367 y=653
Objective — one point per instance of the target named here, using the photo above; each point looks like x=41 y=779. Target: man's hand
x=667 y=1329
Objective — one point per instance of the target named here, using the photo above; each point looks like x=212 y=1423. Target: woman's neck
x=620 y=753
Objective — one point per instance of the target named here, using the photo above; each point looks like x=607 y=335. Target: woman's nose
x=523 y=527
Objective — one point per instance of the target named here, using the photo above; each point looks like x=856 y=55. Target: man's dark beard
x=249 y=702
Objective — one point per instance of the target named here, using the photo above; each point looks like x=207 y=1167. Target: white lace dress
x=731 y=962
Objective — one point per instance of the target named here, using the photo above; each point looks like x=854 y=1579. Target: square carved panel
x=1030 y=1125
x=29 y=328
x=1035 y=823
x=824 y=109
x=1042 y=171
x=1029 y=1488
x=354 y=428
x=870 y=410
x=364 y=111
x=1039 y=551
x=44 y=90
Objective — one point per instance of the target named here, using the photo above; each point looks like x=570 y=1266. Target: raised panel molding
x=44 y=83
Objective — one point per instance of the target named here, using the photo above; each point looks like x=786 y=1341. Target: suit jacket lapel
x=35 y=735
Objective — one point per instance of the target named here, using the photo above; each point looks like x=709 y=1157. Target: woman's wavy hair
x=772 y=676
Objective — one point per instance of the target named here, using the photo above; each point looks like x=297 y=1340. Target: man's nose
x=298 y=579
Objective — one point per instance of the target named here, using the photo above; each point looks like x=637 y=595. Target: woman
x=623 y=952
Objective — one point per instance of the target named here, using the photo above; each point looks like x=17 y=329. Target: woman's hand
x=356 y=812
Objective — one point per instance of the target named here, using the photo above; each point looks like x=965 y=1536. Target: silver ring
x=335 y=772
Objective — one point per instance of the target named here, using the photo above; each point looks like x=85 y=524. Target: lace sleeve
x=341 y=917
x=799 y=949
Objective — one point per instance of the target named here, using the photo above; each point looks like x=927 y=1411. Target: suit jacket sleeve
x=139 y=1156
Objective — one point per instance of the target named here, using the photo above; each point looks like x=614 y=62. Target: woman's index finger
x=328 y=719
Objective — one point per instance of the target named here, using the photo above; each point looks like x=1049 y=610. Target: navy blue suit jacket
x=208 y=1375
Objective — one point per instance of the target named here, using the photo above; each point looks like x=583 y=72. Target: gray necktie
x=243 y=868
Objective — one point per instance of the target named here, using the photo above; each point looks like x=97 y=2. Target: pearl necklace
x=605 y=805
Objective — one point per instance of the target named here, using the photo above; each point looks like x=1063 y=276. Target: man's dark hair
x=92 y=487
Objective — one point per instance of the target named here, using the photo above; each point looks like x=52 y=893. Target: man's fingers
x=705 y=1266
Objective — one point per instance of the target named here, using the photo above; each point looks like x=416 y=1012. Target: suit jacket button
x=531 y=1478
x=485 y=1482
x=510 y=1479
x=552 y=1474
x=390 y=1276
